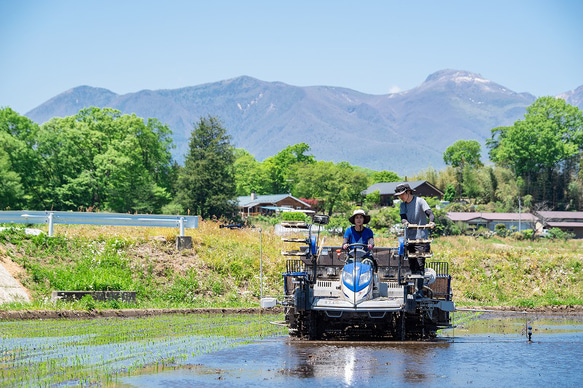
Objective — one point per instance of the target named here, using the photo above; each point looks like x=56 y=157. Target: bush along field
x=223 y=267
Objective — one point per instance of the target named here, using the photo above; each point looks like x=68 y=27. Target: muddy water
x=480 y=352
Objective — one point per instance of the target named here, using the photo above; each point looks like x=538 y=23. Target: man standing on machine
x=415 y=210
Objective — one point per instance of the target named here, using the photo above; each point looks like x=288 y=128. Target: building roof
x=468 y=216
x=247 y=201
x=564 y=224
x=388 y=188
x=548 y=215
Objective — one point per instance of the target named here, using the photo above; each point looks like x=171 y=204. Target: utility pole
x=519 y=213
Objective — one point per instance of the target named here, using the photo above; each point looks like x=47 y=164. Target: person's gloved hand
x=345 y=246
x=370 y=247
x=431 y=225
x=405 y=223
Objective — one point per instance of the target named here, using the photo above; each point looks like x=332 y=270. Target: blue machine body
x=356 y=276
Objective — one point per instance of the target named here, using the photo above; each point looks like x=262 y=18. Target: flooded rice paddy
x=246 y=350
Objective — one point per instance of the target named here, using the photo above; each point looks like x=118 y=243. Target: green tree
x=206 y=183
x=449 y=194
x=11 y=191
x=251 y=176
x=463 y=155
x=335 y=186
x=100 y=158
x=19 y=172
x=282 y=167
x=544 y=149
x=385 y=176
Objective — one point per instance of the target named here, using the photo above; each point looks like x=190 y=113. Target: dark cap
x=403 y=188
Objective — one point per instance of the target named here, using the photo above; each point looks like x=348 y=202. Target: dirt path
x=560 y=311
x=125 y=313
x=11 y=290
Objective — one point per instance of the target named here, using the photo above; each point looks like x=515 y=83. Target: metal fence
x=84 y=218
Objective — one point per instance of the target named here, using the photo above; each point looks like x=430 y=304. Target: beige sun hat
x=361 y=212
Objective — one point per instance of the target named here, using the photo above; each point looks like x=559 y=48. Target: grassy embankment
x=222 y=269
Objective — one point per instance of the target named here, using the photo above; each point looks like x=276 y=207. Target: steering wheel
x=357 y=245
x=357 y=251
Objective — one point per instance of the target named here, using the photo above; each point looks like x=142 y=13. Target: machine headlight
x=364 y=278
x=347 y=277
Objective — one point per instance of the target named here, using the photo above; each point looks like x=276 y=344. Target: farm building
x=516 y=221
x=387 y=190
x=252 y=205
x=571 y=222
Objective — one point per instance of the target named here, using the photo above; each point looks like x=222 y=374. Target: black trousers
x=417 y=264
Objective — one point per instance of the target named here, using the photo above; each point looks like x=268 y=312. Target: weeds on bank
x=506 y=272
x=222 y=269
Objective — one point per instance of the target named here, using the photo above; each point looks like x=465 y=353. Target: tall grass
x=502 y=271
x=222 y=269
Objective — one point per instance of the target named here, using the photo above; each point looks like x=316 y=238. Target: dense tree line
x=97 y=159
x=334 y=186
x=100 y=159
x=544 y=152
x=536 y=163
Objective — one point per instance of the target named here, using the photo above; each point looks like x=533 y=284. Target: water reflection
x=349 y=366
x=358 y=362
x=475 y=355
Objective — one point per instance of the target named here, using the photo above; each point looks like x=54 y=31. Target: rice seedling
x=100 y=351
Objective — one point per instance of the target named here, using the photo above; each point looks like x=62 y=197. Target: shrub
x=483 y=232
x=384 y=218
x=455 y=229
x=558 y=234
x=501 y=230
x=258 y=220
x=517 y=236
x=528 y=234
x=449 y=193
x=338 y=224
x=88 y=302
x=293 y=216
x=373 y=199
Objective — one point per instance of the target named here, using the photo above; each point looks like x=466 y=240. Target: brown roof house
x=571 y=222
x=387 y=190
x=517 y=221
x=252 y=205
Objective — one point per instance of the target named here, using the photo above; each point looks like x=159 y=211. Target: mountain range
x=403 y=132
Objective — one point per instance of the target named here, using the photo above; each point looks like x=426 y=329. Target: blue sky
x=376 y=47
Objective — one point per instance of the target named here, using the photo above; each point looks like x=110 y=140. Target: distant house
x=517 y=221
x=571 y=222
x=252 y=205
x=387 y=190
